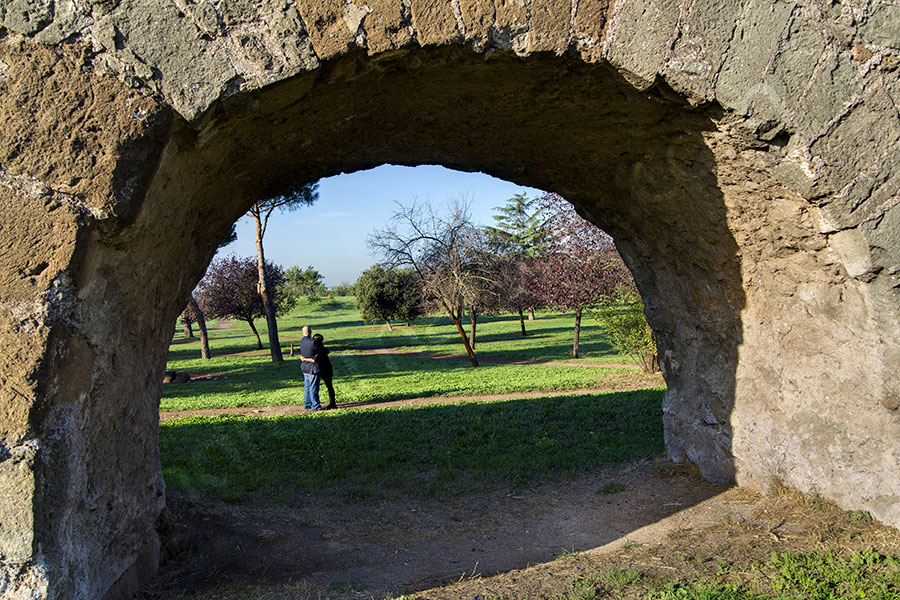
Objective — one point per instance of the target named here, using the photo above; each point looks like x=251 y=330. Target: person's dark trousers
x=330 y=387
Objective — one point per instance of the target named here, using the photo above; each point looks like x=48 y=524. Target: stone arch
x=741 y=155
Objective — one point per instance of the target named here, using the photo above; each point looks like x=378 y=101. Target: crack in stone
x=457 y=13
x=304 y=32
x=881 y=210
x=738 y=24
x=820 y=64
x=609 y=33
x=685 y=10
x=837 y=119
x=528 y=28
x=407 y=20
x=573 y=14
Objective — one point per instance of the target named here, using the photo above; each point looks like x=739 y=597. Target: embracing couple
x=316 y=368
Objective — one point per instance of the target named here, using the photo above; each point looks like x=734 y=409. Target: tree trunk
x=531 y=313
x=649 y=363
x=473 y=318
x=188 y=332
x=462 y=334
x=259 y=345
x=265 y=295
x=522 y=322
x=390 y=328
x=577 y=332
x=457 y=320
x=201 y=325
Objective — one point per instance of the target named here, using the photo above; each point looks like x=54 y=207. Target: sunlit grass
x=818 y=575
x=247 y=377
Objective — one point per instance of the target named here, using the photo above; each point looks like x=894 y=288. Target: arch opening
x=532 y=545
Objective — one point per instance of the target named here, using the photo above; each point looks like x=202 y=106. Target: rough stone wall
x=743 y=154
x=816 y=391
x=72 y=155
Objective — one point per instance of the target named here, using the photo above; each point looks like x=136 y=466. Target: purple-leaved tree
x=581 y=264
x=230 y=289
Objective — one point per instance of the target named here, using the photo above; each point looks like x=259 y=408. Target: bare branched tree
x=445 y=249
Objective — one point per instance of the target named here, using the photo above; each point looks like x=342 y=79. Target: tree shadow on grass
x=319 y=323
x=450 y=338
x=255 y=381
x=589 y=349
x=190 y=349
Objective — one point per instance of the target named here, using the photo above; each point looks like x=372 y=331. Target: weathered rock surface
x=744 y=155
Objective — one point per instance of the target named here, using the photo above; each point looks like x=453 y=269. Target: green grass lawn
x=432 y=450
x=255 y=381
x=422 y=450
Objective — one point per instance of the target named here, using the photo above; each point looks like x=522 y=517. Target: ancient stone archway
x=743 y=154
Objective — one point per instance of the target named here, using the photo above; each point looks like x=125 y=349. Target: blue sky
x=331 y=234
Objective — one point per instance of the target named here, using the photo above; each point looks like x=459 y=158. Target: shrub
x=621 y=316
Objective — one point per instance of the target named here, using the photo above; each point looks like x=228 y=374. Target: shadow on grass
x=190 y=349
x=534 y=343
x=255 y=381
x=435 y=331
x=252 y=381
x=320 y=322
x=589 y=349
x=410 y=450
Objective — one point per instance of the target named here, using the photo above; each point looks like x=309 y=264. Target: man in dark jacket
x=311 y=374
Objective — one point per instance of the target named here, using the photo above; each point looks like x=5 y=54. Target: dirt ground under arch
x=650 y=515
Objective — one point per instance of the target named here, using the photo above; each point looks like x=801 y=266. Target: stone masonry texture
x=744 y=154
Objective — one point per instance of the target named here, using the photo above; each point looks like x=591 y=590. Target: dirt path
x=665 y=521
x=409 y=545
x=574 y=362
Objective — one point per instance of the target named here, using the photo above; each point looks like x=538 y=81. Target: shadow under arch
x=639 y=164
